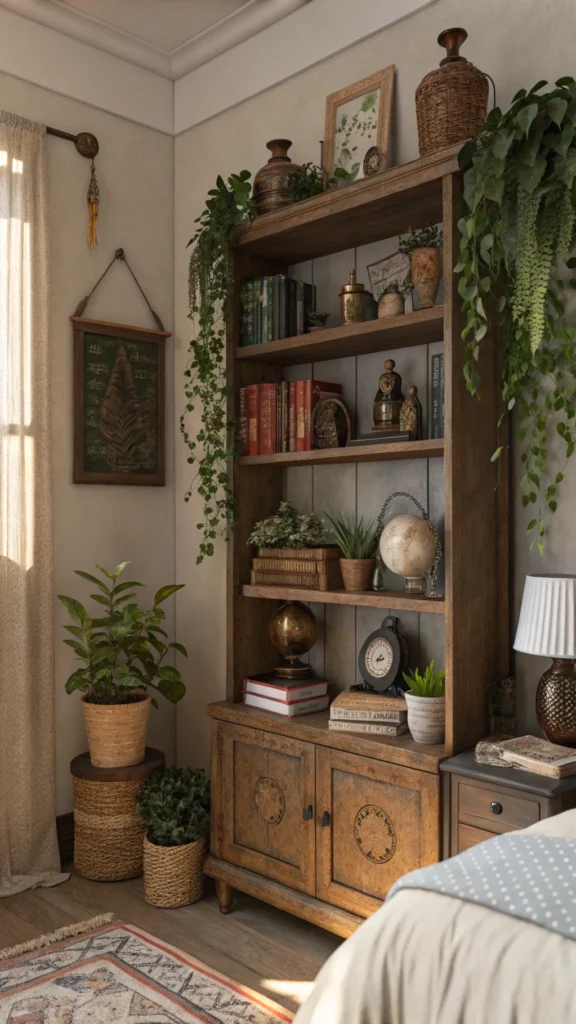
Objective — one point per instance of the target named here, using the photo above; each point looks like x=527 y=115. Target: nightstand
x=482 y=800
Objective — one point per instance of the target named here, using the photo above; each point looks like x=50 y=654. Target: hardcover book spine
x=243 y=433
x=266 y=332
x=278 y=418
x=375 y=727
x=292 y=416
x=247 y=313
x=267 y=419
x=308 y=580
x=300 y=307
x=252 y=419
x=291 y=293
x=275 y=307
x=437 y=430
x=300 y=415
x=285 y=426
x=282 y=314
x=343 y=715
x=257 y=285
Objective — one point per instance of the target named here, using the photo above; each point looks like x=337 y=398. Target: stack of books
x=356 y=711
x=314 y=568
x=274 y=307
x=278 y=417
x=288 y=697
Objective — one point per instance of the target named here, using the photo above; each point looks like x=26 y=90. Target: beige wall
x=515 y=43
x=103 y=524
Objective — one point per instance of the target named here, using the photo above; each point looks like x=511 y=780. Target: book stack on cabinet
x=274 y=307
x=355 y=711
x=278 y=417
x=288 y=697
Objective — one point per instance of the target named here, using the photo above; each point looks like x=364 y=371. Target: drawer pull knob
x=308 y=812
x=325 y=819
x=495 y=807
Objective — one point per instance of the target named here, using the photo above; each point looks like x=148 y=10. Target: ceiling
x=166 y=24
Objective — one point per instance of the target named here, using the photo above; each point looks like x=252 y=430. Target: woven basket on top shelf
x=173 y=875
x=451 y=101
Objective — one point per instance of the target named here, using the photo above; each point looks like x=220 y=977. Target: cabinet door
x=263 y=796
x=374 y=822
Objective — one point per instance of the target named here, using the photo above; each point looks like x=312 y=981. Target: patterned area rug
x=117 y=974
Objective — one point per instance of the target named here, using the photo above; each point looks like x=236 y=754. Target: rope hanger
x=121 y=256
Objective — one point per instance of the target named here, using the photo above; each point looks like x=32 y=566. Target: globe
x=408 y=548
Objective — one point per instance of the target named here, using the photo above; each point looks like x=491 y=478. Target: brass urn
x=353 y=298
x=272 y=182
x=292 y=631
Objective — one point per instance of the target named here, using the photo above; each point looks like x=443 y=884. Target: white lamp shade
x=547 y=623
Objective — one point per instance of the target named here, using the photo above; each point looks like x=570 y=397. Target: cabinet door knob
x=495 y=807
x=325 y=819
x=308 y=812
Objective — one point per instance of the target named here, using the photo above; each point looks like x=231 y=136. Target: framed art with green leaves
x=357 y=119
x=119 y=380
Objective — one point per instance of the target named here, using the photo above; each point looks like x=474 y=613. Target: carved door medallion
x=374 y=834
x=269 y=801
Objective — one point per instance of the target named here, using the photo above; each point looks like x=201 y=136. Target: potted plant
x=122 y=654
x=291 y=551
x=358 y=543
x=426 y=702
x=317 y=320
x=288 y=530
x=175 y=808
x=391 y=301
x=424 y=247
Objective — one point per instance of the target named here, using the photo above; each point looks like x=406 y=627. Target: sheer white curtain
x=28 y=848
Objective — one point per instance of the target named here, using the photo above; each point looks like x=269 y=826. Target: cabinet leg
x=225 y=894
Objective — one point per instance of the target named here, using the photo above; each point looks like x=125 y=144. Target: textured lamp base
x=556 y=703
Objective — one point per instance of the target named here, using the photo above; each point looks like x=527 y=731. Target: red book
x=314 y=390
x=300 y=424
x=292 y=417
x=268 y=419
x=252 y=435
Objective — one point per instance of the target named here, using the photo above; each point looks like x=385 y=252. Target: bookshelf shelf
x=391 y=451
x=368 y=599
x=417 y=328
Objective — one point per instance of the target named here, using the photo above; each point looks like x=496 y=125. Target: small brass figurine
x=353 y=301
x=411 y=414
x=389 y=398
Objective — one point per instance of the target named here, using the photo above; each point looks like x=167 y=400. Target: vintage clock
x=382 y=659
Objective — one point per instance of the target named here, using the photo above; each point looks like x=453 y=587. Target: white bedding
x=424 y=958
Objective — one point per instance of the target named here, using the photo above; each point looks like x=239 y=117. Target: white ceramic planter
x=426 y=718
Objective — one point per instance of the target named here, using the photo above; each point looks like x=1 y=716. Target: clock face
x=378 y=657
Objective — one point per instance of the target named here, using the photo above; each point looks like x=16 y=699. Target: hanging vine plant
x=210 y=289
x=517 y=236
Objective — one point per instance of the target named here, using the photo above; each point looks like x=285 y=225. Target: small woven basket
x=451 y=101
x=173 y=875
x=117 y=732
x=108 y=830
x=357 y=573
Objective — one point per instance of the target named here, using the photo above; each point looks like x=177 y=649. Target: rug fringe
x=69 y=931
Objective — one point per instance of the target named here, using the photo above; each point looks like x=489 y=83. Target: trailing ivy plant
x=210 y=285
x=517 y=236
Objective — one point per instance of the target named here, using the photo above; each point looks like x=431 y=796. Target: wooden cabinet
x=311 y=828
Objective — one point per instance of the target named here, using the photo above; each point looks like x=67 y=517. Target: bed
x=428 y=958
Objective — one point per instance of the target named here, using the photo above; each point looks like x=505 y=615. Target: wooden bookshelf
x=393 y=599
x=399 y=450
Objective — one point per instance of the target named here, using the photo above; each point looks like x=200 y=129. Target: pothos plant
x=517 y=236
x=210 y=288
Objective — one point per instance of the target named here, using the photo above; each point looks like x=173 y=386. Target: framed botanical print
x=358 y=119
x=119 y=381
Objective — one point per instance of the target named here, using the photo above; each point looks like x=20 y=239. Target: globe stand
x=416 y=584
x=295 y=669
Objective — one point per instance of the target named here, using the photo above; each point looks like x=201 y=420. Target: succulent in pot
x=317 y=320
x=122 y=651
x=175 y=808
x=391 y=301
x=426 y=702
x=358 y=542
x=424 y=247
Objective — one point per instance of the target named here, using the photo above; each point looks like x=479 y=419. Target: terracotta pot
x=357 y=573
x=117 y=732
x=391 y=304
x=426 y=718
x=426 y=270
x=272 y=182
x=173 y=875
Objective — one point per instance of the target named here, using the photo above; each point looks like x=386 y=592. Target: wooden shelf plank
x=417 y=328
x=366 y=211
x=432 y=448
x=366 y=599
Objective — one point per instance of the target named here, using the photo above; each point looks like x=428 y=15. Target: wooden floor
x=256 y=945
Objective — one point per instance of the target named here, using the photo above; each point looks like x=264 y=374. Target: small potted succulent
x=175 y=808
x=391 y=301
x=426 y=703
x=424 y=247
x=121 y=650
x=317 y=320
x=358 y=543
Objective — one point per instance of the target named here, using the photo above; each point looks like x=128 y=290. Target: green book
x=266 y=309
x=247 y=313
x=258 y=310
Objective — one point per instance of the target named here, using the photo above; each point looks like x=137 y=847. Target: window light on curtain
x=28 y=847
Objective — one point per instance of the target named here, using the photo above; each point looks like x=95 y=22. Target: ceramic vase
x=390 y=305
x=426 y=270
x=272 y=182
x=426 y=718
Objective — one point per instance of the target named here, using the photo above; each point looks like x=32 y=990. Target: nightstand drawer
x=469 y=836
x=494 y=809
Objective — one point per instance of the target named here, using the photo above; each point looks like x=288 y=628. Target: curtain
x=28 y=846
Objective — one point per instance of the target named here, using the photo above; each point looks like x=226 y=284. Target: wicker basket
x=451 y=101
x=107 y=830
x=117 y=732
x=357 y=573
x=173 y=875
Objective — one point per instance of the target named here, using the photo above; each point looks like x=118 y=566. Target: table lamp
x=547 y=626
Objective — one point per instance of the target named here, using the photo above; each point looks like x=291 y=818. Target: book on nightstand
x=539 y=756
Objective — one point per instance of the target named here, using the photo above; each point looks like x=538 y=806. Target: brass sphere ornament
x=292 y=631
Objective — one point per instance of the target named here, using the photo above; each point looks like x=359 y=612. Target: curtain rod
x=87 y=145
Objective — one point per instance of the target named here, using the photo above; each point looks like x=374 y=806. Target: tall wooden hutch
x=321 y=789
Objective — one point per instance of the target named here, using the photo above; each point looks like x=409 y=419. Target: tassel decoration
x=93 y=203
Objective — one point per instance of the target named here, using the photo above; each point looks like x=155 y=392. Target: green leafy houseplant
x=287 y=529
x=175 y=806
x=122 y=650
x=423 y=238
x=516 y=238
x=316 y=180
x=318 y=319
x=355 y=540
x=210 y=285
x=431 y=684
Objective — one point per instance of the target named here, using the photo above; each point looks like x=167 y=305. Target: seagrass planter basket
x=173 y=875
x=117 y=732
